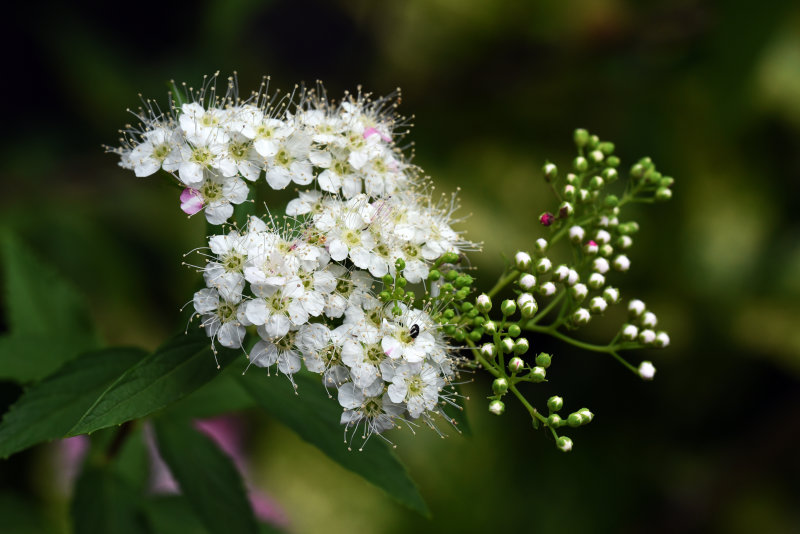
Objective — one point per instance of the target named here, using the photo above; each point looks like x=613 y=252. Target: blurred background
x=709 y=90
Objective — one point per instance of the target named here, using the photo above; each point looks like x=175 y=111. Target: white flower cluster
x=306 y=285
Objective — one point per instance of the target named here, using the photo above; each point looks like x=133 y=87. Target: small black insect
x=414 y=332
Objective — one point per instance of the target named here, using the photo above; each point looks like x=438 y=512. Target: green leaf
x=31 y=357
x=315 y=418
x=49 y=409
x=48 y=319
x=207 y=478
x=179 y=367
x=222 y=395
x=174 y=515
x=105 y=503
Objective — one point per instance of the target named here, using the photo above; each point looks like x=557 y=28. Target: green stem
x=503 y=282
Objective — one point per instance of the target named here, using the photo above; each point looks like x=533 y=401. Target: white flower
x=418 y=385
x=408 y=337
x=290 y=162
x=159 y=148
x=221 y=319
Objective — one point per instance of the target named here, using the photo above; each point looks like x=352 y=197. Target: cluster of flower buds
x=326 y=285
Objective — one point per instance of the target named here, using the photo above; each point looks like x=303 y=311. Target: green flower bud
x=449 y=329
x=554 y=421
x=449 y=313
x=575 y=419
x=488 y=350
x=500 y=386
x=447 y=287
x=586 y=414
x=596 y=156
x=459 y=335
x=543 y=360
x=596 y=183
x=580 y=164
x=628 y=228
x=507 y=345
x=564 y=443
x=508 y=307
x=612 y=161
x=478 y=321
x=565 y=210
x=555 y=403
x=521 y=346
x=387 y=279
x=514 y=330
x=490 y=327
x=401 y=282
x=462 y=293
x=399 y=292
x=476 y=335
x=550 y=171
x=434 y=275
x=581 y=137
x=638 y=170
x=666 y=181
x=572 y=179
x=569 y=192
x=527 y=305
x=515 y=365
x=384 y=296
x=610 y=175
x=497 y=407
x=611 y=201
x=400 y=264
x=663 y=194
x=410 y=296
x=538 y=374
x=607 y=147
x=451 y=275
x=450 y=257
x=466 y=307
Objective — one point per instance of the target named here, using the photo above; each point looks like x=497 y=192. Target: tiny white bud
x=590 y=248
x=600 y=265
x=598 y=305
x=596 y=280
x=488 y=349
x=547 y=289
x=581 y=316
x=636 y=307
x=527 y=281
x=564 y=443
x=579 y=292
x=606 y=250
x=611 y=294
x=508 y=344
x=561 y=273
x=614 y=221
x=541 y=245
x=603 y=221
x=596 y=156
x=583 y=194
x=572 y=277
x=622 y=263
x=549 y=168
x=625 y=242
x=647 y=336
x=649 y=320
x=662 y=339
x=629 y=332
x=497 y=407
x=538 y=373
x=523 y=260
x=544 y=265
x=647 y=371
x=602 y=237
x=576 y=234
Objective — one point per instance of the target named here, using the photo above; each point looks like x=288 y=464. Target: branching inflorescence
x=361 y=278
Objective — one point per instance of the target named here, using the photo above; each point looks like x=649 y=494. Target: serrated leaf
x=181 y=366
x=315 y=418
x=222 y=395
x=207 y=478
x=104 y=503
x=49 y=409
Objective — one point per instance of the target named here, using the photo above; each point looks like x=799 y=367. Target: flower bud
x=544 y=265
x=507 y=345
x=384 y=296
x=490 y=327
x=434 y=275
x=575 y=419
x=597 y=305
x=554 y=420
x=622 y=263
x=590 y=248
x=612 y=161
x=543 y=360
x=635 y=308
x=586 y=414
x=602 y=237
x=515 y=365
x=663 y=194
x=555 y=403
x=581 y=317
x=387 y=279
x=564 y=443
x=624 y=242
x=596 y=156
x=596 y=280
x=400 y=264
x=662 y=339
x=565 y=210
x=500 y=386
x=649 y=320
x=497 y=407
x=541 y=245
x=521 y=346
x=596 y=183
x=514 y=330
x=629 y=332
x=527 y=305
x=611 y=294
x=572 y=277
x=646 y=370
x=581 y=137
x=527 y=281
x=572 y=178
x=538 y=374
x=547 y=289
x=568 y=192
x=580 y=164
x=483 y=303
x=561 y=273
x=610 y=174
x=508 y=307
x=488 y=350
x=628 y=228
x=546 y=218
x=522 y=260
x=583 y=195
x=600 y=265
x=647 y=336
x=550 y=172
x=578 y=292
x=610 y=202
x=606 y=250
